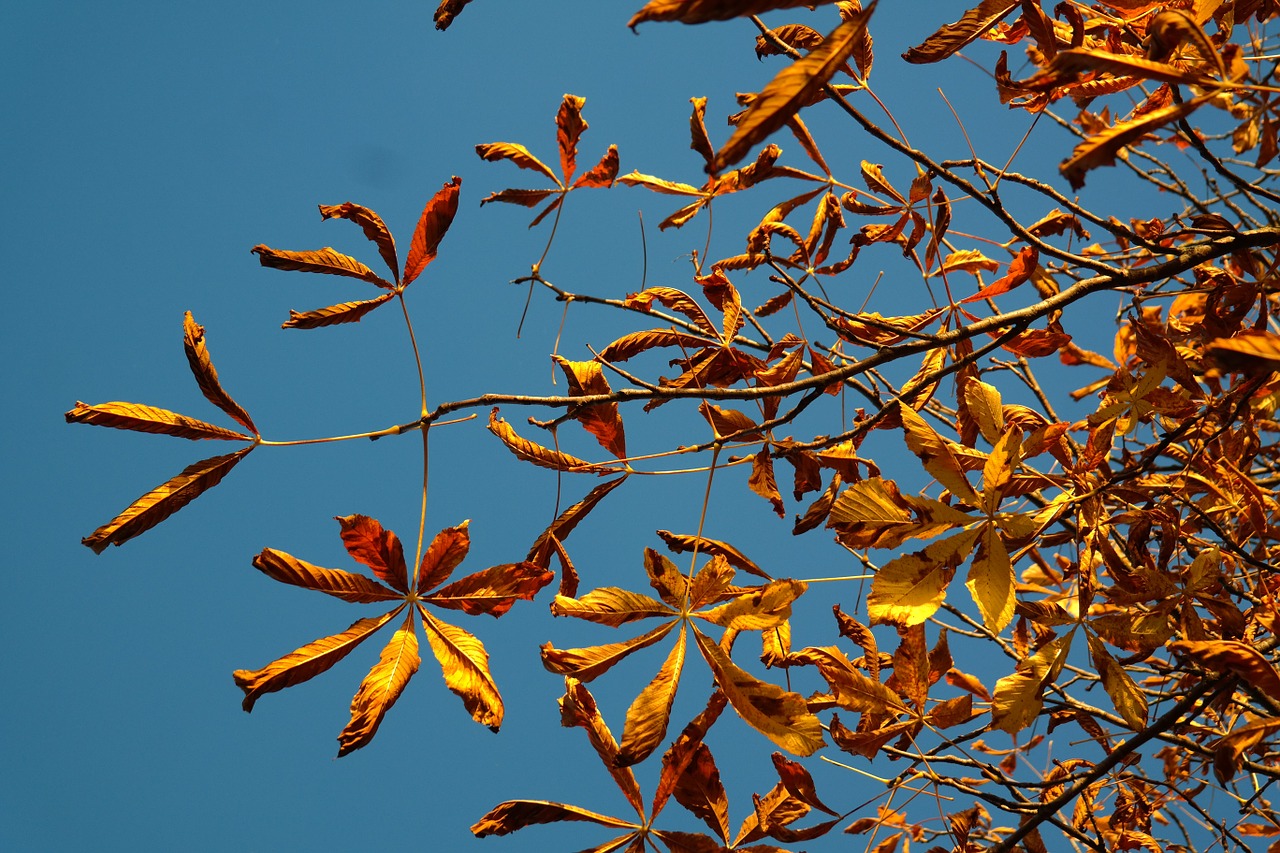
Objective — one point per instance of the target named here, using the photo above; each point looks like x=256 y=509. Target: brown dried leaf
x=586 y=378
x=465 y=665
x=507 y=817
x=164 y=500
x=543 y=457
x=139 y=418
x=702 y=11
x=369 y=543
x=953 y=37
x=794 y=87
x=326 y=261
x=680 y=543
x=570 y=126
x=650 y=712
x=436 y=218
x=205 y=374
x=587 y=664
x=348 y=586
x=333 y=315
x=381 y=688
x=375 y=230
x=493 y=590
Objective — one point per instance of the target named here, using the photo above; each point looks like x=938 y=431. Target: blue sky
x=147 y=147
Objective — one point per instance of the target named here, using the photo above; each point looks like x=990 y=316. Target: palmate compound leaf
x=164 y=500
x=463 y=660
x=791 y=89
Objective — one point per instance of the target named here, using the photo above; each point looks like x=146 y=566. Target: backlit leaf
x=493 y=590
x=543 y=457
x=700 y=790
x=602 y=174
x=447 y=11
x=569 y=128
x=602 y=420
x=991 y=580
x=578 y=708
x=779 y=715
x=679 y=542
x=798 y=782
x=1101 y=149
x=139 y=418
x=307 y=662
x=507 y=817
x=793 y=88
x=517 y=154
x=206 y=376
x=436 y=218
x=333 y=315
x=936 y=456
x=465 y=665
x=586 y=664
x=909 y=589
x=650 y=712
x=164 y=500
x=348 y=586
x=375 y=230
x=952 y=37
x=1124 y=693
x=381 y=688
x=702 y=11
x=765 y=607
x=445 y=553
x=1232 y=656
x=872 y=513
x=671 y=584
x=1019 y=697
x=369 y=543
x=611 y=606
x=326 y=260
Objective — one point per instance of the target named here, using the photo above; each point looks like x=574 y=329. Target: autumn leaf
x=953 y=37
x=702 y=11
x=139 y=418
x=436 y=218
x=602 y=420
x=375 y=230
x=791 y=89
x=1101 y=149
x=381 y=688
x=650 y=711
x=909 y=589
x=543 y=457
x=206 y=376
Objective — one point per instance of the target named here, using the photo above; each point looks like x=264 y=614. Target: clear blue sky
x=146 y=148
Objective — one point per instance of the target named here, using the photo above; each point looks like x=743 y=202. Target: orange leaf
x=765 y=607
x=436 y=218
x=375 y=230
x=793 y=87
x=700 y=790
x=333 y=315
x=650 y=712
x=348 y=586
x=326 y=261
x=676 y=300
x=634 y=343
x=779 y=715
x=1020 y=270
x=728 y=422
x=465 y=665
x=602 y=419
x=569 y=128
x=952 y=37
x=612 y=606
x=763 y=482
x=206 y=376
x=164 y=500
x=602 y=174
x=139 y=418
x=578 y=708
x=1235 y=657
x=370 y=544
x=517 y=154
x=1102 y=148
x=525 y=198
x=699 y=140
x=446 y=551
x=307 y=662
x=543 y=457
x=381 y=688
x=669 y=581
x=936 y=456
x=493 y=590
x=447 y=11
x=680 y=542
x=587 y=664
x=568 y=520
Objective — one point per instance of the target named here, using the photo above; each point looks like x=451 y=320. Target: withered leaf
x=578 y=708
x=953 y=37
x=373 y=227
x=650 y=712
x=507 y=817
x=702 y=11
x=333 y=315
x=436 y=218
x=164 y=500
x=543 y=457
x=381 y=688
x=779 y=715
x=612 y=606
x=447 y=11
x=1101 y=149
x=372 y=545
x=586 y=378
x=517 y=154
x=1232 y=656
x=700 y=790
x=587 y=664
x=465 y=665
x=139 y=418
x=791 y=89
x=286 y=568
x=326 y=260
x=680 y=542
x=206 y=376
x=493 y=590
x=909 y=589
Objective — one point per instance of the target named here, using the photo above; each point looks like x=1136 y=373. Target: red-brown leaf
x=376 y=547
x=333 y=315
x=206 y=377
x=371 y=224
x=493 y=590
x=436 y=218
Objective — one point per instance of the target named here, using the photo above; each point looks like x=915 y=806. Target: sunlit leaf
x=206 y=376
x=493 y=590
x=348 y=586
x=611 y=606
x=465 y=665
x=587 y=664
x=543 y=457
x=791 y=89
x=517 y=154
x=586 y=378
x=381 y=688
x=326 y=260
x=370 y=544
x=139 y=418
x=507 y=817
x=164 y=500
x=333 y=315
x=578 y=708
x=436 y=218
x=765 y=607
x=679 y=542
x=445 y=553
x=910 y=588
x=702 y=11
x=650 y=712
x=700 y=790
x=953 y=37
x=375 y=230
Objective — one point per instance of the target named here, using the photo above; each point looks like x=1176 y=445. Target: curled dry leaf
x=543 y=457
x=702 y=11
x=139 y=418
x=375 y=230
x=953 y=37
x=206 y=376
x=436 y=218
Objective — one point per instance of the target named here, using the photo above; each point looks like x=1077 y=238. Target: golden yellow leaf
x=465 y=665
x=852 y=689
x=910 y=588
x=206 y=376
x=1252 y=351
x=671 y=584
x=793 y=88
x=779 y=715
x=650 y=712
x=1124 y=693
x=982 y=401
x=936 y=456
x=991 y=580
x=139 y=418
x=765 y=607
x=602 y=420
x=872 y=513
x=381 y=688
x=164 y=500
x=679 y=542
x=307 y=662
x=1019 y=697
